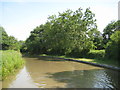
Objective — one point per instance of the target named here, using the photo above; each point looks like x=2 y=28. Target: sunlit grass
x=98 y=61
x=11 y=60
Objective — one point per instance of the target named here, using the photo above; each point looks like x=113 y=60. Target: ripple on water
x=40 y=73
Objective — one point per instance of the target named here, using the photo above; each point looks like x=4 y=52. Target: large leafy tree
x=36 y=40
x=71 y=32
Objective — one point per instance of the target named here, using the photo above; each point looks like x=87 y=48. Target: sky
x=20 y=17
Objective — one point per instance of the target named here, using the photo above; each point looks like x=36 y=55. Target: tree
x=4 y=39
x=23 y=47
x=36 y=40
x=68 y=32
x=13 y=43
x=8 y=42
x=98 y=41
x=113 y=46
x=71 y=32
x=109 y=30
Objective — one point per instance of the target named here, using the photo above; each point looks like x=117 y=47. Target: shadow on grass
x=107 y=62
x=87 y=78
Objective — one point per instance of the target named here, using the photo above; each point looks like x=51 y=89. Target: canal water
x=54 y=73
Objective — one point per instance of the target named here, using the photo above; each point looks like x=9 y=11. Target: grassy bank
x=98 y=61
x=94 y=56
x=11 y=61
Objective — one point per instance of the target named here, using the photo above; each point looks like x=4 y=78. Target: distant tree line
x=74 y=33
x=70 y=33
x=9 y=42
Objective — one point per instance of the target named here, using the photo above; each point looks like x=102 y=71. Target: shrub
x=78 y=53
x=11 y=60
x=113 y=46
x=99 y=54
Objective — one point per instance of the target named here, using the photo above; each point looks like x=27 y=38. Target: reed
x=11 y=61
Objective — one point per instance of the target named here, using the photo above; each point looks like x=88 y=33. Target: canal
x=55 y=73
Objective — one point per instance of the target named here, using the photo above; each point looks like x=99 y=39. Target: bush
x=113 y=46
x=11 y=60
x=99 y=54
x=78 y=53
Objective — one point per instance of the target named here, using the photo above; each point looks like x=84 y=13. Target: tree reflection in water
x=71 y=74
x=88 y=78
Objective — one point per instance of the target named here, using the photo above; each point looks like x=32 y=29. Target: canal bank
x=94 y=64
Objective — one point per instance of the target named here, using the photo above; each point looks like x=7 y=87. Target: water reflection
x=49 y=73
x=7 y=82
x=71 y=74
x=19 y=80
x=87 y=79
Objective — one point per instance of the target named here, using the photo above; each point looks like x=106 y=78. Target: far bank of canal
x=46 y=72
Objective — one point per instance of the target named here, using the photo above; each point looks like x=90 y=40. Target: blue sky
x=19 y=17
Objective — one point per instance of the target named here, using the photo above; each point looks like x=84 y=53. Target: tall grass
x=11 y=60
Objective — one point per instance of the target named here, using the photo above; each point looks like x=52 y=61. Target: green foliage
x=73 y=33
x=113 y=46
x=69 y=33
x=109 y=30
x=13 y=43
x=98 y=41
x=8 y=42
x=4 y=39
x=36 y=41
x=11 y=60
x=23 y=47
x=97 y=54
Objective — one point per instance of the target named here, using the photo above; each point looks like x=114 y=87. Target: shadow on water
x=71 y=74
x=52 y=73
x=49 y=59
x=45 y=58
x=88 y=78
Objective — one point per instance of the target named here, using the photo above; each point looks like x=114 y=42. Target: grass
x=95 y=60
x=99 y=61
x=11 y=61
